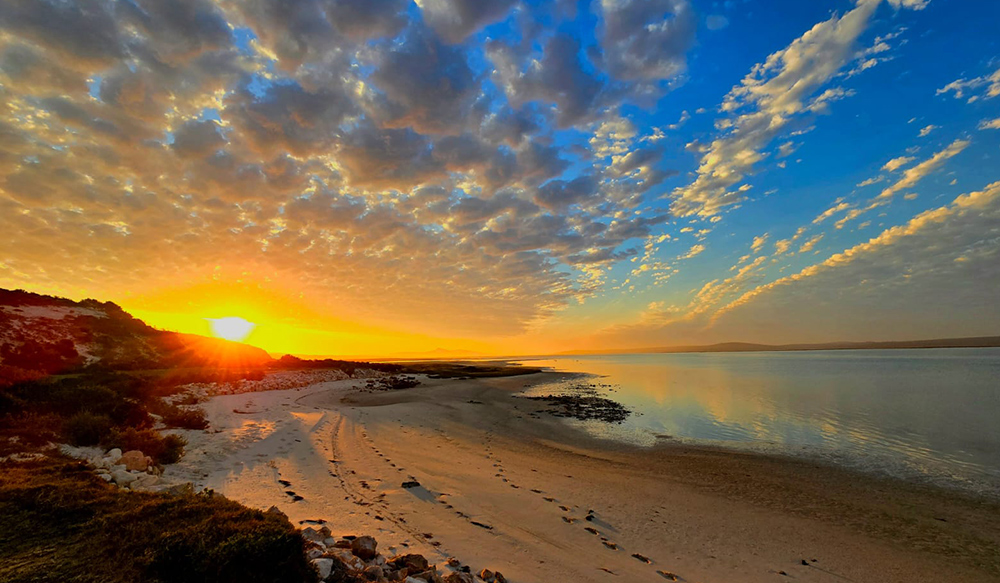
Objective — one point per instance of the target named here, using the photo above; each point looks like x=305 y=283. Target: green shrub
x=163 y=449
x=86 y=428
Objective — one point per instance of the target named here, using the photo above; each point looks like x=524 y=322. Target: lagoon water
x=929 y=414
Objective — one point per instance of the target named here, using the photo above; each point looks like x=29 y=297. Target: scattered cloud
x=990 y=124
x=961 y=87
x=789 y=84
x=897 y=163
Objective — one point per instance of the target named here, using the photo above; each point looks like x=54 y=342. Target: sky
x=378 y=177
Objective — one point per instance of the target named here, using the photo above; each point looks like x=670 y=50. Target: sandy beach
x=504 y=487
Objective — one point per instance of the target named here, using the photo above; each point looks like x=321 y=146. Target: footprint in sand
x=667 y=575
x=592 y=530
x=610 y=545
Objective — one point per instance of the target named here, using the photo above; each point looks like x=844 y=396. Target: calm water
x=923 y=414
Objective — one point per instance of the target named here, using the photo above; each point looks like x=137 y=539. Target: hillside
x=43 y=335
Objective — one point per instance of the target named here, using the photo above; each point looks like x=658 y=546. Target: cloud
x=918 y=172
x=559 y=77
x=926 y=130
x=758 y=243
x=787 y=85
x=925 y=268
x=811 y=243
x=897 y=163
x=427 y=86
x=990 y=124
x=716 y=22
x=454 y=20
x=646 y=39
x=962 y=86
x=694 y=250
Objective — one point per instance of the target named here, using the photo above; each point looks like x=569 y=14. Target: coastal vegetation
x=60 y=522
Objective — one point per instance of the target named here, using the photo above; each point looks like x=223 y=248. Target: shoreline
x=484 y=459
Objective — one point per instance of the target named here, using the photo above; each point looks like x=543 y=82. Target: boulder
x=312 y=535
x=114 y=455
x=412 y=563
x=134 y=460
x=373 y=573
x=324 y=566
x=459 y=578
x=487 y=575
x=121 y=477
x=500 y=578
x=364 y=547
x=315 y=553
x=349 y=559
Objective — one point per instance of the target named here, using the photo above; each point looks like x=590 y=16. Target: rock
x=364 y=547
x=324 y=566
x=312 y=535
x=411 y=484
x=349 y=559
x=329 y=542
x=114 y=455
x=315 y=553
x=134 y=461
x=412 y=563
x=342 y=544
x=121 y=477
x=487 y=575
x=459 y=578
x=500 y=578
x=373 y=573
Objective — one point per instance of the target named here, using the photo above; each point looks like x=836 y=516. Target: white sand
x=490 y=463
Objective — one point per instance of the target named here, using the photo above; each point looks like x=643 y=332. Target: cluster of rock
x=279 y=381
x=131 y=470
x=353 y=558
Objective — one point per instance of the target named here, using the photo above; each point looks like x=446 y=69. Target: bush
x=184 y=418
x=163 y=449
x=106 y=535
x=86 y=428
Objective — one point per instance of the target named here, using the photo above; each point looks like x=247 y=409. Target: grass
x=59 y=522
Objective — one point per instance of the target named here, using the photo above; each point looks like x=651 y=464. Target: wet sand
x=505 y=487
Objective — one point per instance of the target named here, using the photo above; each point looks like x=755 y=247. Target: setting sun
x=231 y=328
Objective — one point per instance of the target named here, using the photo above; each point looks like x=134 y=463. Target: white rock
x=314 y=553
x=114 y=455
x=122 y=477
x=324 y=566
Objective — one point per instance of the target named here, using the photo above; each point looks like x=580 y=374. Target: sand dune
x=535 y=499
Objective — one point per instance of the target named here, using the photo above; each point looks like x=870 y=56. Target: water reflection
x=927 y=413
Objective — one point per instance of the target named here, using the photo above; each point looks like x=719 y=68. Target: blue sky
x=510 y=176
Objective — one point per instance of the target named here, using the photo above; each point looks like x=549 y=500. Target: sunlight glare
x=231 y=328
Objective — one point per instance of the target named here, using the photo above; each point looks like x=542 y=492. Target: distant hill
x=42 y=335
x=973 y=342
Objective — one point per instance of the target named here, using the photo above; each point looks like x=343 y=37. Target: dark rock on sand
x=364 y=547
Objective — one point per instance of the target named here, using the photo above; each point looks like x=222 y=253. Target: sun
x=231 y=328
